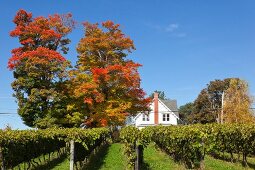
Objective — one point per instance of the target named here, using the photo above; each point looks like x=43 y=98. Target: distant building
x=163 y=112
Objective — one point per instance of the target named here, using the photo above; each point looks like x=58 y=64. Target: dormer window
x=166 y=117
x=146 y=117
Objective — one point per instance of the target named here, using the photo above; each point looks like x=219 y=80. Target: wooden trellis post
x=139 y=158
x=72 y=155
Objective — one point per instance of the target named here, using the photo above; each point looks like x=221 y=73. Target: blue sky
x=182 y=44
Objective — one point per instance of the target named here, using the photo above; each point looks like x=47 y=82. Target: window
x=166 y=117
x=146 y=117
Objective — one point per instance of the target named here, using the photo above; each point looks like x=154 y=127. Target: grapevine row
x=189 y=144
x=25 y=145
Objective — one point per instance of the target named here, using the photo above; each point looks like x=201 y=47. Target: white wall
x=139 y=120
x=162 y=109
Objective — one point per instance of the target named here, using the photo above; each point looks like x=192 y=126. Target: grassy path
x=157 y=160
x=109 y=158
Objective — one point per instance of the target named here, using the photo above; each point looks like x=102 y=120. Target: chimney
x=155 y=108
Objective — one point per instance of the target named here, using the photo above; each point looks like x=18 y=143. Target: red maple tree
x=39 y=66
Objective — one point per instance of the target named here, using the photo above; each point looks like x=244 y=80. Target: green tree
x=161 y=95
x=202 y=111
x=185 y=112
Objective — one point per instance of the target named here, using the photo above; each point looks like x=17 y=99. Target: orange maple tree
x=108 y=83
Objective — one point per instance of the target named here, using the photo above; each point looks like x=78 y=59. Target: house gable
x=166 y=116
x=173 y=112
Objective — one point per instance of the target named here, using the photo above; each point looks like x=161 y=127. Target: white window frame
x=166 y=117
x=146 y=117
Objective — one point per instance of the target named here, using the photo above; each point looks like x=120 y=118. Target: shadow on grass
x=145 y=166
x=97 y=160
x=251 y=165
x=223 y=157
x=227 y=158
x=51 y=164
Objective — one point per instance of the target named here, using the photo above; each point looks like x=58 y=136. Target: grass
x=110 y=157
x=61 y=165
x=157 y=160
x=55 y=162
x=213 y=164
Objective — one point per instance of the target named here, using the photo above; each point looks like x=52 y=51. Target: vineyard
x=27 y=146
x=190 y=144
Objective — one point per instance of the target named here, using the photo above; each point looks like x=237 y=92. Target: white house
x=162 y=112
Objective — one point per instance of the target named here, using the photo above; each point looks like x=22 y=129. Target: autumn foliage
x=237 y=103
x=40 y=37
x=111 y=84
x=39 y=67
x=103 y=88
x=232 y=93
